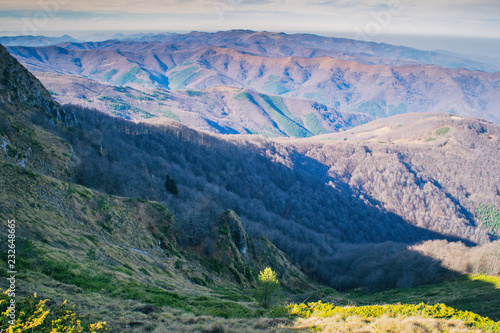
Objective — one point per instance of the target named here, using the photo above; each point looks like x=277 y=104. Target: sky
x=446 y=23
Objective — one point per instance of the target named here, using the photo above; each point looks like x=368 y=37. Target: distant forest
x=453 y=188
x=336 y=234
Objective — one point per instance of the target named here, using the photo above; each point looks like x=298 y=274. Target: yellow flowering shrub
x=32 y=313
x=320 y=309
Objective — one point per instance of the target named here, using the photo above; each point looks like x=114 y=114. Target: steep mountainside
x=378 y=89
x=22 y=99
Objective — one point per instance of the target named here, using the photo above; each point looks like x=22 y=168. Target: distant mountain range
x=345 y=76
x=280 y=45
x=35 y=40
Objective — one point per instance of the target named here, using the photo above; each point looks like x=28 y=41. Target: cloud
x=445 y=17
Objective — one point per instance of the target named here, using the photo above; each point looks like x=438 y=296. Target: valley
x=361 y=210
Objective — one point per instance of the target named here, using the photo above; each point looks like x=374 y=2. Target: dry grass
x=218 y=325
x=380 y=324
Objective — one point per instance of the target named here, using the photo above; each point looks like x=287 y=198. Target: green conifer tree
x=171 y=185
x=269 y=287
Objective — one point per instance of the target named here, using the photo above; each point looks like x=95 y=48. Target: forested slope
x=275 y=189
x=433 y=170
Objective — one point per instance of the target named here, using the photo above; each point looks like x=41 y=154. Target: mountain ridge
x=236 y=38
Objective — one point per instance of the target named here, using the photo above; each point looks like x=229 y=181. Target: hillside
x=220 y=109
x=74 y=243
x=434 y=170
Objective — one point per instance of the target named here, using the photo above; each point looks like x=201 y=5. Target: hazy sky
x=365 y=19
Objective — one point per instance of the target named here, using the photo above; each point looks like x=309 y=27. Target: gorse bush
x=320 y=309
x=33 y=315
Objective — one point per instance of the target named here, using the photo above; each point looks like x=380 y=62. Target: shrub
x=32 y=314
x=320 y=309
x=269 y=287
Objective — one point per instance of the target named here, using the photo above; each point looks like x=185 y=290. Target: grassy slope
x=102 y=253
x=285 y=121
